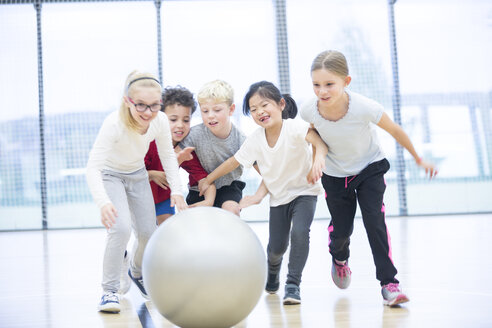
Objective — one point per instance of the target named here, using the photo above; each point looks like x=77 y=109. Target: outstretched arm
x=224 y=168
x=402 y=138
x=256 y=198
x=320 y=150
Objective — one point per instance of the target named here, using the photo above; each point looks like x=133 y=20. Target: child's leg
x=228 y=197
x=370 y=192
x=342 y=204
x=302 y=213
x=278 y=239
x=142 y=207
x=118 y=235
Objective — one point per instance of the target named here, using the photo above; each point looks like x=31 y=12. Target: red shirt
x=152 y=162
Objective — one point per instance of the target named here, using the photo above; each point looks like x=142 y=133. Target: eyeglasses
x=143 y=107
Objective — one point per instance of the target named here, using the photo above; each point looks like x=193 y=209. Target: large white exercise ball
x=204 y=267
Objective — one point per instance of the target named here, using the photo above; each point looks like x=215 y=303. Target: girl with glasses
x=119 y=182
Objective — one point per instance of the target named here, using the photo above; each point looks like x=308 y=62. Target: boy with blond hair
x=215 y=140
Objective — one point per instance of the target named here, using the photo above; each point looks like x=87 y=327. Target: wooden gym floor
x=52 y=279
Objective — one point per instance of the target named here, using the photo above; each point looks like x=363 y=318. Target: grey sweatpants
x=132 y=197
x=299 y=214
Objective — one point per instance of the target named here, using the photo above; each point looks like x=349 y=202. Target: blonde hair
x=136 y=79
x=218 y=91
x=331 y=60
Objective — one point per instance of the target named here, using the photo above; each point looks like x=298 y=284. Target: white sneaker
x=110 y=302
x=125 y=281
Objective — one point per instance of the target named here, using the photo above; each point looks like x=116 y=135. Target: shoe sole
x=110 y=308
x=271 y=291
x=291 y=301
x=396 y=301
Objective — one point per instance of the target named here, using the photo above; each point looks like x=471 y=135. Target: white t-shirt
x=284 y=167
x=352 y=140
x=121 y=150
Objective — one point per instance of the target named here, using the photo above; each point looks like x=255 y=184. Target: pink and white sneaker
x=393 y=295
x=341 y=274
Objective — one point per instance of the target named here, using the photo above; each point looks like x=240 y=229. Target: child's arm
x=209 y=197
x=154 y=167
x=256 y=198
x=228 y=166
x=320 y=150
x=159 y=178
x=402 y=138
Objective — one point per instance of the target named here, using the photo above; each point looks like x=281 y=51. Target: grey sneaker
x=292 y=295
x=140 y=284
x=272 y=283
x=125 y=281
x=110 y=302
x=341 y=274
x=393 y=295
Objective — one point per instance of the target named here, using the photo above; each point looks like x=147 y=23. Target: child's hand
x=108 y=215
x=159 y=177
x=179 y=202
x=203 y=185
x=247 y=201
x=185 y=154
x=317 y=170
x=428 y=167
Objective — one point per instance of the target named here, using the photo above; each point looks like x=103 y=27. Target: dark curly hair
x=178 y=95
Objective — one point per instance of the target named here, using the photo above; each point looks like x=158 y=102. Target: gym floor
x=52 y=279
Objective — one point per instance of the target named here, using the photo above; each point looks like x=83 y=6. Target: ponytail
x=290 y=110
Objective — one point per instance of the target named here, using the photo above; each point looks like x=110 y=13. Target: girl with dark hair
x=280 y=147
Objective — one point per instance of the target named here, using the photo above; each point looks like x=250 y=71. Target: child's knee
x=231 y=206
x=299 y=236
x=121 y=230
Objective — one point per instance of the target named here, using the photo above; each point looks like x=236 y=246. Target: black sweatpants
x=342 y=195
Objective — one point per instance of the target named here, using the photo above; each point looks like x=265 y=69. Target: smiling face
x=216 y=117
x=179 y=121
x=329 y=87
x=266 y=112
x=147 y=96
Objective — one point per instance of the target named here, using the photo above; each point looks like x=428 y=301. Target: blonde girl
x=119 y=182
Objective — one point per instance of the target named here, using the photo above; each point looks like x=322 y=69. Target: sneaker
x=125 y=281
x=292 y=295
x=272 y=283
x=139 y=283
x=341 y=274
x=393 y=295
x=110 y=302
